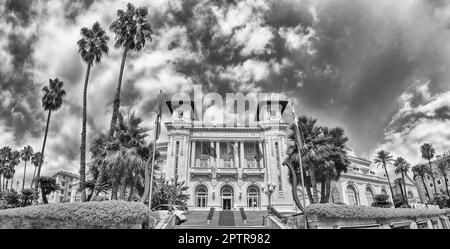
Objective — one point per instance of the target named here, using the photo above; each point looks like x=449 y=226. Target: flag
x=158 y=116
x=258 y=154
x=208 y=150
x=229 y=149
x=297 y=129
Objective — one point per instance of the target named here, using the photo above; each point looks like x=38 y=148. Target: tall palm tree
x=92 y=46
x=5 y=155
x=132 y=29
x=35 y=160
x=420 y=170
x=428 y=152
x=14 y=160
x=383 y=158
x=52 y=100
x=26 y=155
x=443 y=167
x=402 y=168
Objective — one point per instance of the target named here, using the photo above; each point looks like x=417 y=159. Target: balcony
x=201 y=171
x=227 y=172
x=253 y=172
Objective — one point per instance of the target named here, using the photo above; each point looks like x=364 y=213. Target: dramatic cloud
x=379 y=69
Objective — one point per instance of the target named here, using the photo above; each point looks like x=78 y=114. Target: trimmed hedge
x=106 y=212
x=364 y=212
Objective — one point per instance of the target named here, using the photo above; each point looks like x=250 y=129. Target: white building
x=68 y=183
x=246 y=158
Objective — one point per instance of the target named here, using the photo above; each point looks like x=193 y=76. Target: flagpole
x=154 y=152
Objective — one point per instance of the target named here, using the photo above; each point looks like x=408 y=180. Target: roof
x=65 y=173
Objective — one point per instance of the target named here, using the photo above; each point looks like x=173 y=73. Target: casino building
x=229 y=167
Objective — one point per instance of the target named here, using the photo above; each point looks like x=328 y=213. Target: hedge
x=106 y=212
x=364 y=212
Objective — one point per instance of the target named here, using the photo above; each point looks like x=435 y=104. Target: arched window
x=352 y=196
x=369 y=196
x=253 y=197
x=384 y=192
x=410 y=195
x=201 y=197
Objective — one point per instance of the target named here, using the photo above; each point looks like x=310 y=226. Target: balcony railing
x=227 y=172
x=253 y=172
x=200 y=171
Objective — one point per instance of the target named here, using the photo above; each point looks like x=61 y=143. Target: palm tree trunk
x=432 y=176
x=117 y=97
x=44 y=197
x=315 y=194
x=327 y=191
x=1 y=182
x=114 y=190
x=124 y=187
x=7 y=181
x=24 y=172
x=98 y=181
x=131 y=192
x=42 y=152
x=146 y=181
x=446 y=184
x=12 y=182
x=426 y=188
x=322 y=191
x=83 y=137
x=389 y=182
x=404 y=187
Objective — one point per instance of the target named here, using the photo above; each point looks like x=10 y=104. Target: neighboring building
x=429 y=184
x=68 y=183
x=246 y=158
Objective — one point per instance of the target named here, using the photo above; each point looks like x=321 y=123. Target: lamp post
x=268 y=190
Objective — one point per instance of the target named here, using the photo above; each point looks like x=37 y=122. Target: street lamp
x=268 y=190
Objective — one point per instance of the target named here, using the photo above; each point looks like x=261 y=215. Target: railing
x=227 y=171
x=200 y=171
x=202 y=163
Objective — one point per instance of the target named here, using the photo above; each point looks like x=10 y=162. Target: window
x=431 y=185
x=351 y=195
x=335 y=195
x=253 y=200
x=434 y=223
x=177 y=149
x=180 y=113
x=438 y=182
x=369 y=196
x=410 y=195
x=201 y=197
x=422 y=225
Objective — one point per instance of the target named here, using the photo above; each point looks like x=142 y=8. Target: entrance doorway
x=226 y=195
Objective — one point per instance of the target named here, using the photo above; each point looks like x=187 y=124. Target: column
x=267 y=163
x=211 y=159
x=242 y=157
x=218 y=165
x=235 y=153
x=193 y=154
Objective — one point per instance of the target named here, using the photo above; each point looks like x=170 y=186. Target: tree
x=420 y=170
x=92 y=46
x=381 y=201
x=26 y=197
x=5 y=155
x=132 y=29
x=383 y=158
x=13 y=161
x=443 y=166
x=399 y=198
x=26 y=155
x=35 y=160
x=170 y=191
x=47 y=185
x=402 y=168
x=428 y=152
x=52 y=100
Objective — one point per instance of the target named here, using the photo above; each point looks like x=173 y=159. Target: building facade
x=441 y=182
x=68 y=183
x=228 y=167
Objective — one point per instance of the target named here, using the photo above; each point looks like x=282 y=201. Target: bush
x=381 y=201
x=114 y=212
x=100 y=198
x=364 y=212
x=400 y=201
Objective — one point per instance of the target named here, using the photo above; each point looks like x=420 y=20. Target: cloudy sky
x=379 y=69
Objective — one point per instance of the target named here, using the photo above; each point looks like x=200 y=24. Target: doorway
x=226 y=195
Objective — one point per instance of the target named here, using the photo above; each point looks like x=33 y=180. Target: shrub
x=381 y=201
x=114 y=212
x=364 y=212
x=100 y=198
x=12 y=199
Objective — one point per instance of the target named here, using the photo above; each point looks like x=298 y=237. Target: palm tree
x=428 y=152
x=51 y=101
x=420 y=170
x=48 y=185
x=35 y=160
x=26 y=155
x=92 y=46
x=5 y=155
x=132 y=30
x=443 y=166
x=13 y=162
x=384 y=158
x=402 y=167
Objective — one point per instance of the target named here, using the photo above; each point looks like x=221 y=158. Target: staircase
x=224 y=220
